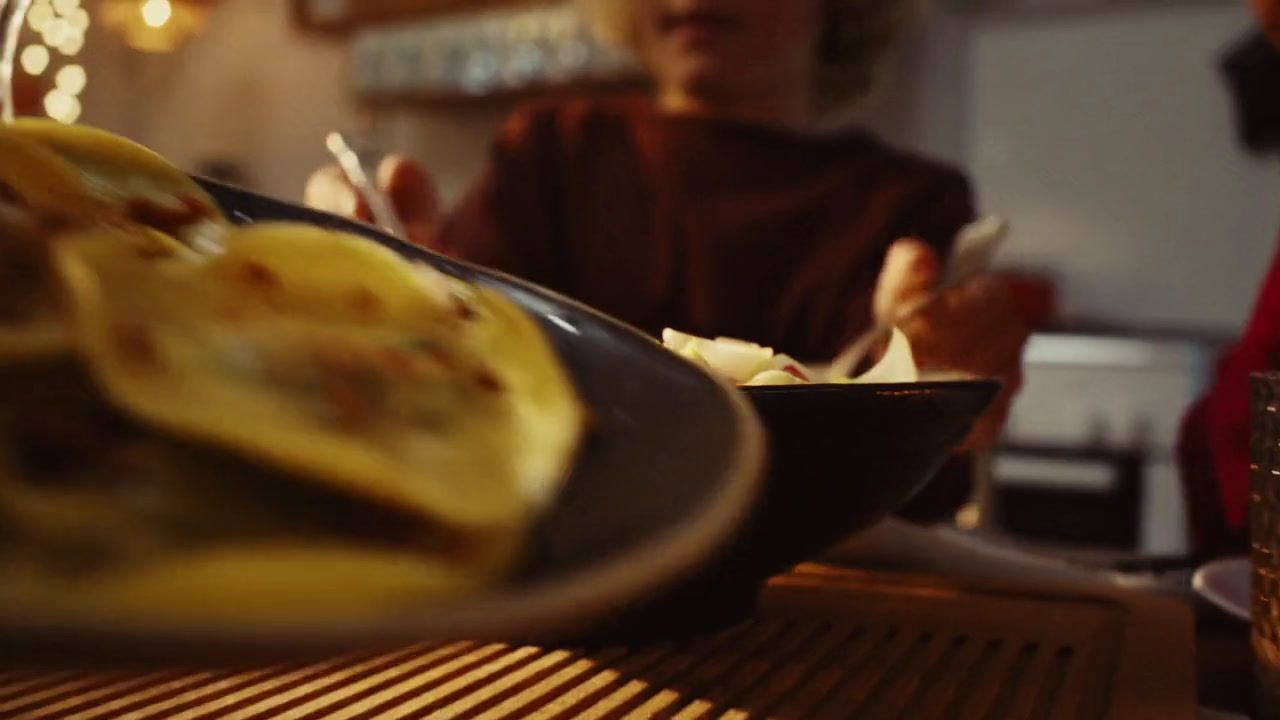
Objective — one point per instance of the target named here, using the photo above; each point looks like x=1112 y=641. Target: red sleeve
x=1211 y=534
x=510 y=220
x=1225 y=428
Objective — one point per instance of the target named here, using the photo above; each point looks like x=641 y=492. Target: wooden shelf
x=520 y=52
x=345 y=16
x=503 y=97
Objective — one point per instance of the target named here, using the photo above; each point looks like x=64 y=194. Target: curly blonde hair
x=856 y=37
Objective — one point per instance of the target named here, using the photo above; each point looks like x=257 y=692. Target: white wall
x=1108 y=138
x=250 y=89
x=923 y=100
x=254 y=90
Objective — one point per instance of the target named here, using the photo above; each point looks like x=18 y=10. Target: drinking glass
x=1264 y=523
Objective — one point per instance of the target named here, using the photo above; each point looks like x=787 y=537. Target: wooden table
x=826 y=643
x=1224 y=662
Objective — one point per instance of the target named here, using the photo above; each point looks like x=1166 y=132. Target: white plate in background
x=1225 y=583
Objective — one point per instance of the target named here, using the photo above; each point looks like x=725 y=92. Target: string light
x=62 y=106
x=72 y=44
x=59 y=25
x=79 y=19
x=62 y=25
x=156 y=13
x=40 y=15
x=56 y=32
x=156 y=25
x=34 y=59
x=72 y=79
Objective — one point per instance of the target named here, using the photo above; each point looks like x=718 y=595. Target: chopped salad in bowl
x=750 y=364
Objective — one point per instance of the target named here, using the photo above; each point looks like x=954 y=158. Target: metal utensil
x=384 y=214
x=975 y=247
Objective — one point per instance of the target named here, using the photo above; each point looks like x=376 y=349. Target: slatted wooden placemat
x=828 y=644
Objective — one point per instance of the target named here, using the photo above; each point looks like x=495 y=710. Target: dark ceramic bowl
x=842 y=457
x=665 y=526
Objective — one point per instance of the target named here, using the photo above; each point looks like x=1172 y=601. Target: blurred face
x=1269 y=13
x=729 y=50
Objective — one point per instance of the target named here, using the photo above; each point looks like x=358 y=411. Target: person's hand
x=974 y=328
x=405 y=182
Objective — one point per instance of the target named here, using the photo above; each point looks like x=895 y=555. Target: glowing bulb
x=62 y=107
x=157 y=26
x=73 y=43
x=35 y=59
x=79 y=19
x=71 y=79
x=56 y=32
x=65 y=7
x=39 y=17
x=155 y=13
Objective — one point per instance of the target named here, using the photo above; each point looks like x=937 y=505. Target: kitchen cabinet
x=1089 y=448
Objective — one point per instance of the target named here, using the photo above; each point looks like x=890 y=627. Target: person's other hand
x=405 y=182
x=974 y=328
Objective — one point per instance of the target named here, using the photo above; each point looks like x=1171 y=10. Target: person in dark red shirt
x=1214 y=447
x=719 y=205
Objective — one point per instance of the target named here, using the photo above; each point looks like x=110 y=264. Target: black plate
x=672 y=467
x=655 y=534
